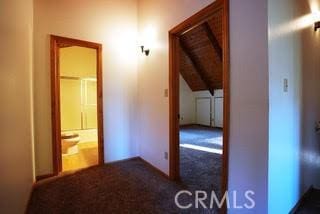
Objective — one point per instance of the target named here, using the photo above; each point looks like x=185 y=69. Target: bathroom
x=78 y=107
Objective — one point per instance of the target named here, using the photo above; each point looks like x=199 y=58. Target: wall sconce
x=145 y=51
x=316 y=25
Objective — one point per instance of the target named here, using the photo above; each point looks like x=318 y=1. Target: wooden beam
x=198 y=67
x=213 y=39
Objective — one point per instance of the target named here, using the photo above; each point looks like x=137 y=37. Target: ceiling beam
x=196 y=65
x=213 y=39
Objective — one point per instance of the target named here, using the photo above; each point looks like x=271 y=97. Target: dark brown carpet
x=124 y=187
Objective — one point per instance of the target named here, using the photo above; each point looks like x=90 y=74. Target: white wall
x=112 y=23
x=217 y=93
x=285 y=107
x=310 y=55
x=294 y=54
x=248 y=140
x=153 y=76
x=187 y=103
x=16 y=159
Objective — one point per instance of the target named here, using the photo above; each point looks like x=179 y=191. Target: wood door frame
x=57 y=42
x=193 y=21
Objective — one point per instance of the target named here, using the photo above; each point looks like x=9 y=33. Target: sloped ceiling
x=201 y=55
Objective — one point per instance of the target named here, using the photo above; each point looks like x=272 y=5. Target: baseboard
x=41 y=177
x=187 y=125
x=154 y=168
x=301 y=200
x=122 y=160
x=194 y=124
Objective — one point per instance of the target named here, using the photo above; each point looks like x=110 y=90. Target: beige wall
x=16 y=159
x=78 y=62
x=70 y=104
x=112 y=23
x=158 y=17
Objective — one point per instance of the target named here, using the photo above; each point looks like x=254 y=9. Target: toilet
x=69 y=141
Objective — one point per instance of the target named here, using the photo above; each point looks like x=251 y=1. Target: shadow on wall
x=294 y=155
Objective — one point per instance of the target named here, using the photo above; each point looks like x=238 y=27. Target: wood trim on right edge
x=226 y=99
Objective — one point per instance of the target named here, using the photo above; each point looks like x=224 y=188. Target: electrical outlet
x=285 y=85
x=166 y=155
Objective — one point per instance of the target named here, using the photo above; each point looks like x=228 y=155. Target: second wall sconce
x=145 y=51
x=316 y=25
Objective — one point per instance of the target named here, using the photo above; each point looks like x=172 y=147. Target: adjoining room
x=201 y=105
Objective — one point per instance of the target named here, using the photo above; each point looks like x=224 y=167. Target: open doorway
x=76 y=83
x=199 y=94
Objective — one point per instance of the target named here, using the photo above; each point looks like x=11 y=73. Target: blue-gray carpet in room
x=201 y=170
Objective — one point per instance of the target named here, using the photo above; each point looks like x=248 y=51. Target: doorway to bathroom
x=76 y=92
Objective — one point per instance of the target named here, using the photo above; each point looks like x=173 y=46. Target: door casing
x=57 y=42
x=196 y=20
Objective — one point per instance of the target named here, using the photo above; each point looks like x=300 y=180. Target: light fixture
x=316 y=25
x=145 y=51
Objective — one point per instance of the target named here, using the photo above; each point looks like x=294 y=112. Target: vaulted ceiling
x=201 y=55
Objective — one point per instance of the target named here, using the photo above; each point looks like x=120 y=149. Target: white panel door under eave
x=218 y=112
x=203 y=111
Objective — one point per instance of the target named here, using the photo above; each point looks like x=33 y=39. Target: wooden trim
x=195 y=124
x=174 y=152
x=187 y=125
x=56 y=43
x=196 y=20
x=213 y=40
x=226 y=96
x=41 y=177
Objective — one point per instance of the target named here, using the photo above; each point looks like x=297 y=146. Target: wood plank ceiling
x=201 y=55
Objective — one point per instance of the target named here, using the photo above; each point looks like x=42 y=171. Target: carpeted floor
x=201 y=170
x=128 y=187
x=124 y=187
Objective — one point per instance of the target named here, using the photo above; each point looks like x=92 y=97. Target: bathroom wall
x=78 y=62
x=16 y=147
x=78 y=97
x=70 y=104
x=114 y=25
